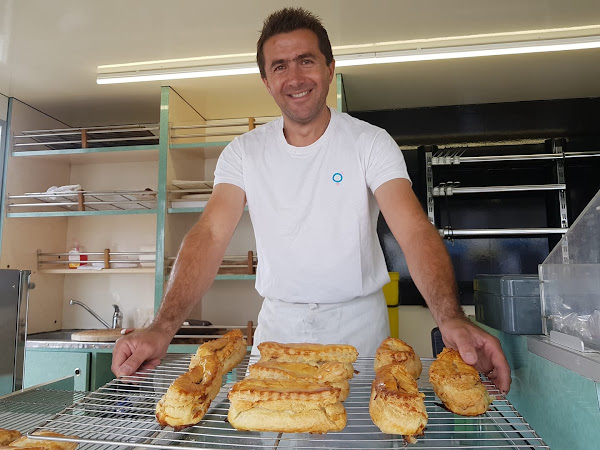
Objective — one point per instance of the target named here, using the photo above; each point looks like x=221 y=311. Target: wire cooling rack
x=121 y=414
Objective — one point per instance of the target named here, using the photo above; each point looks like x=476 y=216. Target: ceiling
x=50 y=50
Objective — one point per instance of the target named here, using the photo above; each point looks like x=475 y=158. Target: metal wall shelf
x=82 y=202
x=455 y=155
x=450 y=188
x=454 y=233
x=97 y=262
x=454 y=158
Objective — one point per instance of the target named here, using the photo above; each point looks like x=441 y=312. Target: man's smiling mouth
x=300 y=94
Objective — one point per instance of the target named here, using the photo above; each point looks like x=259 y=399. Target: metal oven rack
x=122 y=414
x=23 y=410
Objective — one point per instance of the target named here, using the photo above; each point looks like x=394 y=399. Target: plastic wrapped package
x=570 y=280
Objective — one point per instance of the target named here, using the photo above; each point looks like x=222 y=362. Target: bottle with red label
x=76 y=258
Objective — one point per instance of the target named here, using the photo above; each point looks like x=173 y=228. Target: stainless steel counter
x=62 y=339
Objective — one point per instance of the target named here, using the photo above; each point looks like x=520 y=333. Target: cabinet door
x=45 y=366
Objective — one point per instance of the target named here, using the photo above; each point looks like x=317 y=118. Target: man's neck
x=302 y=135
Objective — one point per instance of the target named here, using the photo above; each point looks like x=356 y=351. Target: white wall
x=3 y=107
x=23 y=236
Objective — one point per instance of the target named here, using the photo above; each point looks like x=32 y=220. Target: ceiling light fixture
x=358 y=59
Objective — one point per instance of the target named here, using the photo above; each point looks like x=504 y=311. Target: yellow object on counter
x=390 y=291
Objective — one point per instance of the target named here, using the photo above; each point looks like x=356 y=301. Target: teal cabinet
x=45 y=366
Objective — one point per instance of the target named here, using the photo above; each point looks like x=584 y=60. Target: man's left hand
x=478 y=349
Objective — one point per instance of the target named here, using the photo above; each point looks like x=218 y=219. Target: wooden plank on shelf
x=132 y=270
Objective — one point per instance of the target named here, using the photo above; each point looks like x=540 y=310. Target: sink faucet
x=117 y=315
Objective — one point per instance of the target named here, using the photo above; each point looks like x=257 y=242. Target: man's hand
x=479 y=349
x=142 y=349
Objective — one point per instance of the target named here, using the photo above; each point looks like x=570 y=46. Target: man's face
x=298 y=77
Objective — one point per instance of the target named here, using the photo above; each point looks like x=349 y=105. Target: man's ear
x=331 y=70
x=266 y=82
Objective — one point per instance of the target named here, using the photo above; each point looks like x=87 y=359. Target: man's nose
x=295 y=75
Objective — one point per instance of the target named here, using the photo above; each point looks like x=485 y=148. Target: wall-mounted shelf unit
x=96 y=262
x=457 y=178
x=144 y=165
x=112 y=202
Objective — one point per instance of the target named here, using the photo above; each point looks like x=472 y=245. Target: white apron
x=362 y=322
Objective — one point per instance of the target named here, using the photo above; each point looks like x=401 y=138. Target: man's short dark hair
x=287 y=20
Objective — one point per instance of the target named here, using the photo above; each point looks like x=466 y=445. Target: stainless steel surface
x=122 y=413
x=586 y=364
x=500 y=232
x=429 y=185
x=24 y=410
x=88 y=309
x=444 y=189
x=557 y=149
x=14 y=296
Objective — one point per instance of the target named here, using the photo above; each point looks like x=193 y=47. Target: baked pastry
x=286 y=406
x=230 y=349
x=26 y=442
x=308 y=353
x=329 y=373
x=458 y=384
x=396 y=351
x=396 y=405
x=7 y=436
x=189 y=396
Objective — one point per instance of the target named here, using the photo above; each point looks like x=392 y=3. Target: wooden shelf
x=81 y=213
x=132 y=153
x=132 y=270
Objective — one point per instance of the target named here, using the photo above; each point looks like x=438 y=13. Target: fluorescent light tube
x=427 y=54
x=470 y=51
x=177 y=74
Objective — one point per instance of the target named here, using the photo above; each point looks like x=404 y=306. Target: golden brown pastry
x=189 y=396
x=396 y=351
x=458 y=384
x=396 y=405
x=7 y=436
x=328 y=373
x=308 y=353
x=26 y=442
x=230 y=349
x=286 y=406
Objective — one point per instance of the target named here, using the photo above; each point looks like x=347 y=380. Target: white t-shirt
x=312 y=208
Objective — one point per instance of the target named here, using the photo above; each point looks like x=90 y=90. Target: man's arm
x=195 y=268
x=431 y=270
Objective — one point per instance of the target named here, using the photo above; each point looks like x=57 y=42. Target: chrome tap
x=117 y=315
x=117 y=320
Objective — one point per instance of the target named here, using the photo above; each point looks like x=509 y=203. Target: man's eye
x=306 y=61
x=278 y=68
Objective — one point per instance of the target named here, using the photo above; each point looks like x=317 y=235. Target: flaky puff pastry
x=329 y=373
x=26 y=442
x=230 y=349
x=458 y=384
x=189 y=396
x=396 y=351
x=396 y=405
x=7 y=436
x=310 y=353
x=286 y=406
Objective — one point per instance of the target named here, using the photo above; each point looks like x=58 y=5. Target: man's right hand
x=142 y=349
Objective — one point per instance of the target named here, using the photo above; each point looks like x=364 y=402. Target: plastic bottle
x=75 y=256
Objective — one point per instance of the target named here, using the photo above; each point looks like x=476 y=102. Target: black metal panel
x=494 y=121
x=574 y=119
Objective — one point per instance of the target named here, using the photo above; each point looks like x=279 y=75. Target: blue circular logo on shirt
x=337 y=177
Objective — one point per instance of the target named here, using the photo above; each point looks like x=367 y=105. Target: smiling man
x=314 y=181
